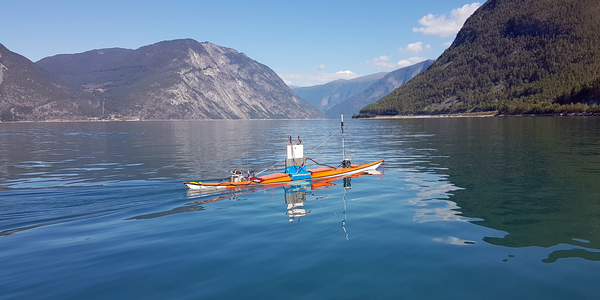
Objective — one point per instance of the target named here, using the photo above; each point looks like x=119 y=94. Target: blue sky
x=306 y=42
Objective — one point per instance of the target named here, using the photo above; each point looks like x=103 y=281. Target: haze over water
x=470 y=208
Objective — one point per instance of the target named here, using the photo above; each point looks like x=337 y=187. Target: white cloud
x=415 y=48
x=321 y=67
x=448 y=43
x=346 y=73
x=382 y=58
x=439 y=25
x=293 y=77
x=455 y=241
x=383 y=62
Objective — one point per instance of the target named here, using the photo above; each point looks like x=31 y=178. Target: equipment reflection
x=294 y=197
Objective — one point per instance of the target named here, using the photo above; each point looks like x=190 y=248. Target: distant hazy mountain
x=327 y=95
x=28 y=92
x=377 y=90
x=181 y=79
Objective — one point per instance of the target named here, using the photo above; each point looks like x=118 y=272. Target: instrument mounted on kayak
x=295 y=169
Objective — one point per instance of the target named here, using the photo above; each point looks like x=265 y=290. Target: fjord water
x=470 y=208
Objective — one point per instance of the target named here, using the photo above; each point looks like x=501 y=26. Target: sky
x=305 y=42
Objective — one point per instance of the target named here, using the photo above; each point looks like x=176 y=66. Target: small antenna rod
x=343 y=150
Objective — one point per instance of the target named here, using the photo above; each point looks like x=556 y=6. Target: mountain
x=526 y=56
x=327 y=95
x=377 y=90
x=74 y=67
x=30 y=93
x=181 y=79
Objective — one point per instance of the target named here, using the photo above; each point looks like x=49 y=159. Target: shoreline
x=478 y=115
x=438 y=116
x=223 y=120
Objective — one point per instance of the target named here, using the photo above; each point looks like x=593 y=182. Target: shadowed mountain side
x=377 y=90
x=76 y=68
x=327 y=95
x=529 y=56
x=30 y=93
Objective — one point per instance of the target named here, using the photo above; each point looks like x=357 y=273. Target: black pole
x=343 y=150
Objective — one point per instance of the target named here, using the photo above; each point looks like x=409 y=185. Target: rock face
x=377 y=90
x=28 y=92
x=327 y=95
x=181 y=79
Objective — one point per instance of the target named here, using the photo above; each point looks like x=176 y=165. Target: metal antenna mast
x=343 y=150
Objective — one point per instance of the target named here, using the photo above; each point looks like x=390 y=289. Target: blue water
x=477 y=208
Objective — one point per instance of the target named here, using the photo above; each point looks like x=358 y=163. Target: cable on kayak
x=361 y=146
x=313 y=150
x=318 y=163
x=267 y=168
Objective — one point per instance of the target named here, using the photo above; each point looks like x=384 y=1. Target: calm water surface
x=473 y=208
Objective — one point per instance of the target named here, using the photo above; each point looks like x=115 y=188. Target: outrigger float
x=295 y=169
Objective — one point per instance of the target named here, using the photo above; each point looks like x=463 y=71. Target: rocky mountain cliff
x=526 y=56
x=28 y=92
x=181 y=79
x=327 y=95
x=377 y=90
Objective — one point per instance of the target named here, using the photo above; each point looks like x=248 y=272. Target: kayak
x=295 y=170
x=274 y=178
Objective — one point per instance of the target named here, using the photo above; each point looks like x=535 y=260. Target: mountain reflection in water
x=536 y=179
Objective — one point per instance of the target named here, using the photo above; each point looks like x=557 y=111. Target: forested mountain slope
x=514 y=56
